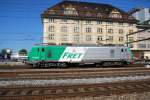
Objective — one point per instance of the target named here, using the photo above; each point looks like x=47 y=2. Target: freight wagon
x=61 y=56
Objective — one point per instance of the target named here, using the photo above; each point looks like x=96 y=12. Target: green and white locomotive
x=61 y=55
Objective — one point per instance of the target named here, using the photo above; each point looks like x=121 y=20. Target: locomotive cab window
x=38 y=49
x=42 y=49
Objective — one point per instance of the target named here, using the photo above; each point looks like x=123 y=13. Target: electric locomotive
x=62 y=55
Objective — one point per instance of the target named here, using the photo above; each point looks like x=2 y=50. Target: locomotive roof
x=84 y=45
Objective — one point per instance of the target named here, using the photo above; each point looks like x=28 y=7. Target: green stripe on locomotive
x=131 y=54
x=46 y=53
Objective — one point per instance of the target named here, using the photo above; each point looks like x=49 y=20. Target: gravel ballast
x=63 y=82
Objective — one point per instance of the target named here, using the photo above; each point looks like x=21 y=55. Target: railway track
x=39 y=91
x=71 y=73
x=47 y=92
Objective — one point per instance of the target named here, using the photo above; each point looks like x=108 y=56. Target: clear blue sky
x=20 y=22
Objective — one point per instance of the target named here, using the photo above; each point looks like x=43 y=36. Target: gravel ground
x=11 y=63
x=134 y=96
x=4 y=83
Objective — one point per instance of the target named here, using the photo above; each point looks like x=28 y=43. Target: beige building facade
x=63 y=31
x=71 y=22
x=142 y=47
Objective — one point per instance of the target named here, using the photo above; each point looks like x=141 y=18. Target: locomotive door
x=112 y=53
x=122 y=54
x=42 y=54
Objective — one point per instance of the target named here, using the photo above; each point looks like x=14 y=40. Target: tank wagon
x=60 y=56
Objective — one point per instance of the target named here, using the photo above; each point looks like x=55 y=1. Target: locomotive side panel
x=53 y=53
x=98 y=54
x=78 y=54
x=101 y=54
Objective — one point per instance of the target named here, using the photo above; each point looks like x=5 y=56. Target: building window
x=110 y=38
x=130 y=24
x=120 y=31
x=76 y=37
x=141 y=38
x=99 y=15
x=99 y=22
x=121 y=39
x=142 y=45
x=100 y=38
x=51 y=36
x=52 y=12
x=131 y=45
x=88 y=38
x=64 y=29
x=88 y=22
x=70 y=11
x=131 y=39
x=64 y=20
x=76 y=29
x=76 y=21
x=130 y=31
x=110 y=23
x=51 y=20
x=88 y=30
x=88 y=14
x=99 y=30
x=51 y=28
x=121 y=24
x=148 y=45
x=64 y=37
x=130 y=17
x=110 y=31
x=114 y=15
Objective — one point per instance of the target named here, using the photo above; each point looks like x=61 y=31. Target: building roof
x=87 y=10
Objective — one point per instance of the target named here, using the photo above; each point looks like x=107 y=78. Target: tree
x=23 y=51
x=6 y=53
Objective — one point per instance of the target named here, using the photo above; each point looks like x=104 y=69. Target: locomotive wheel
x=105 y=64
x=34 y=65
